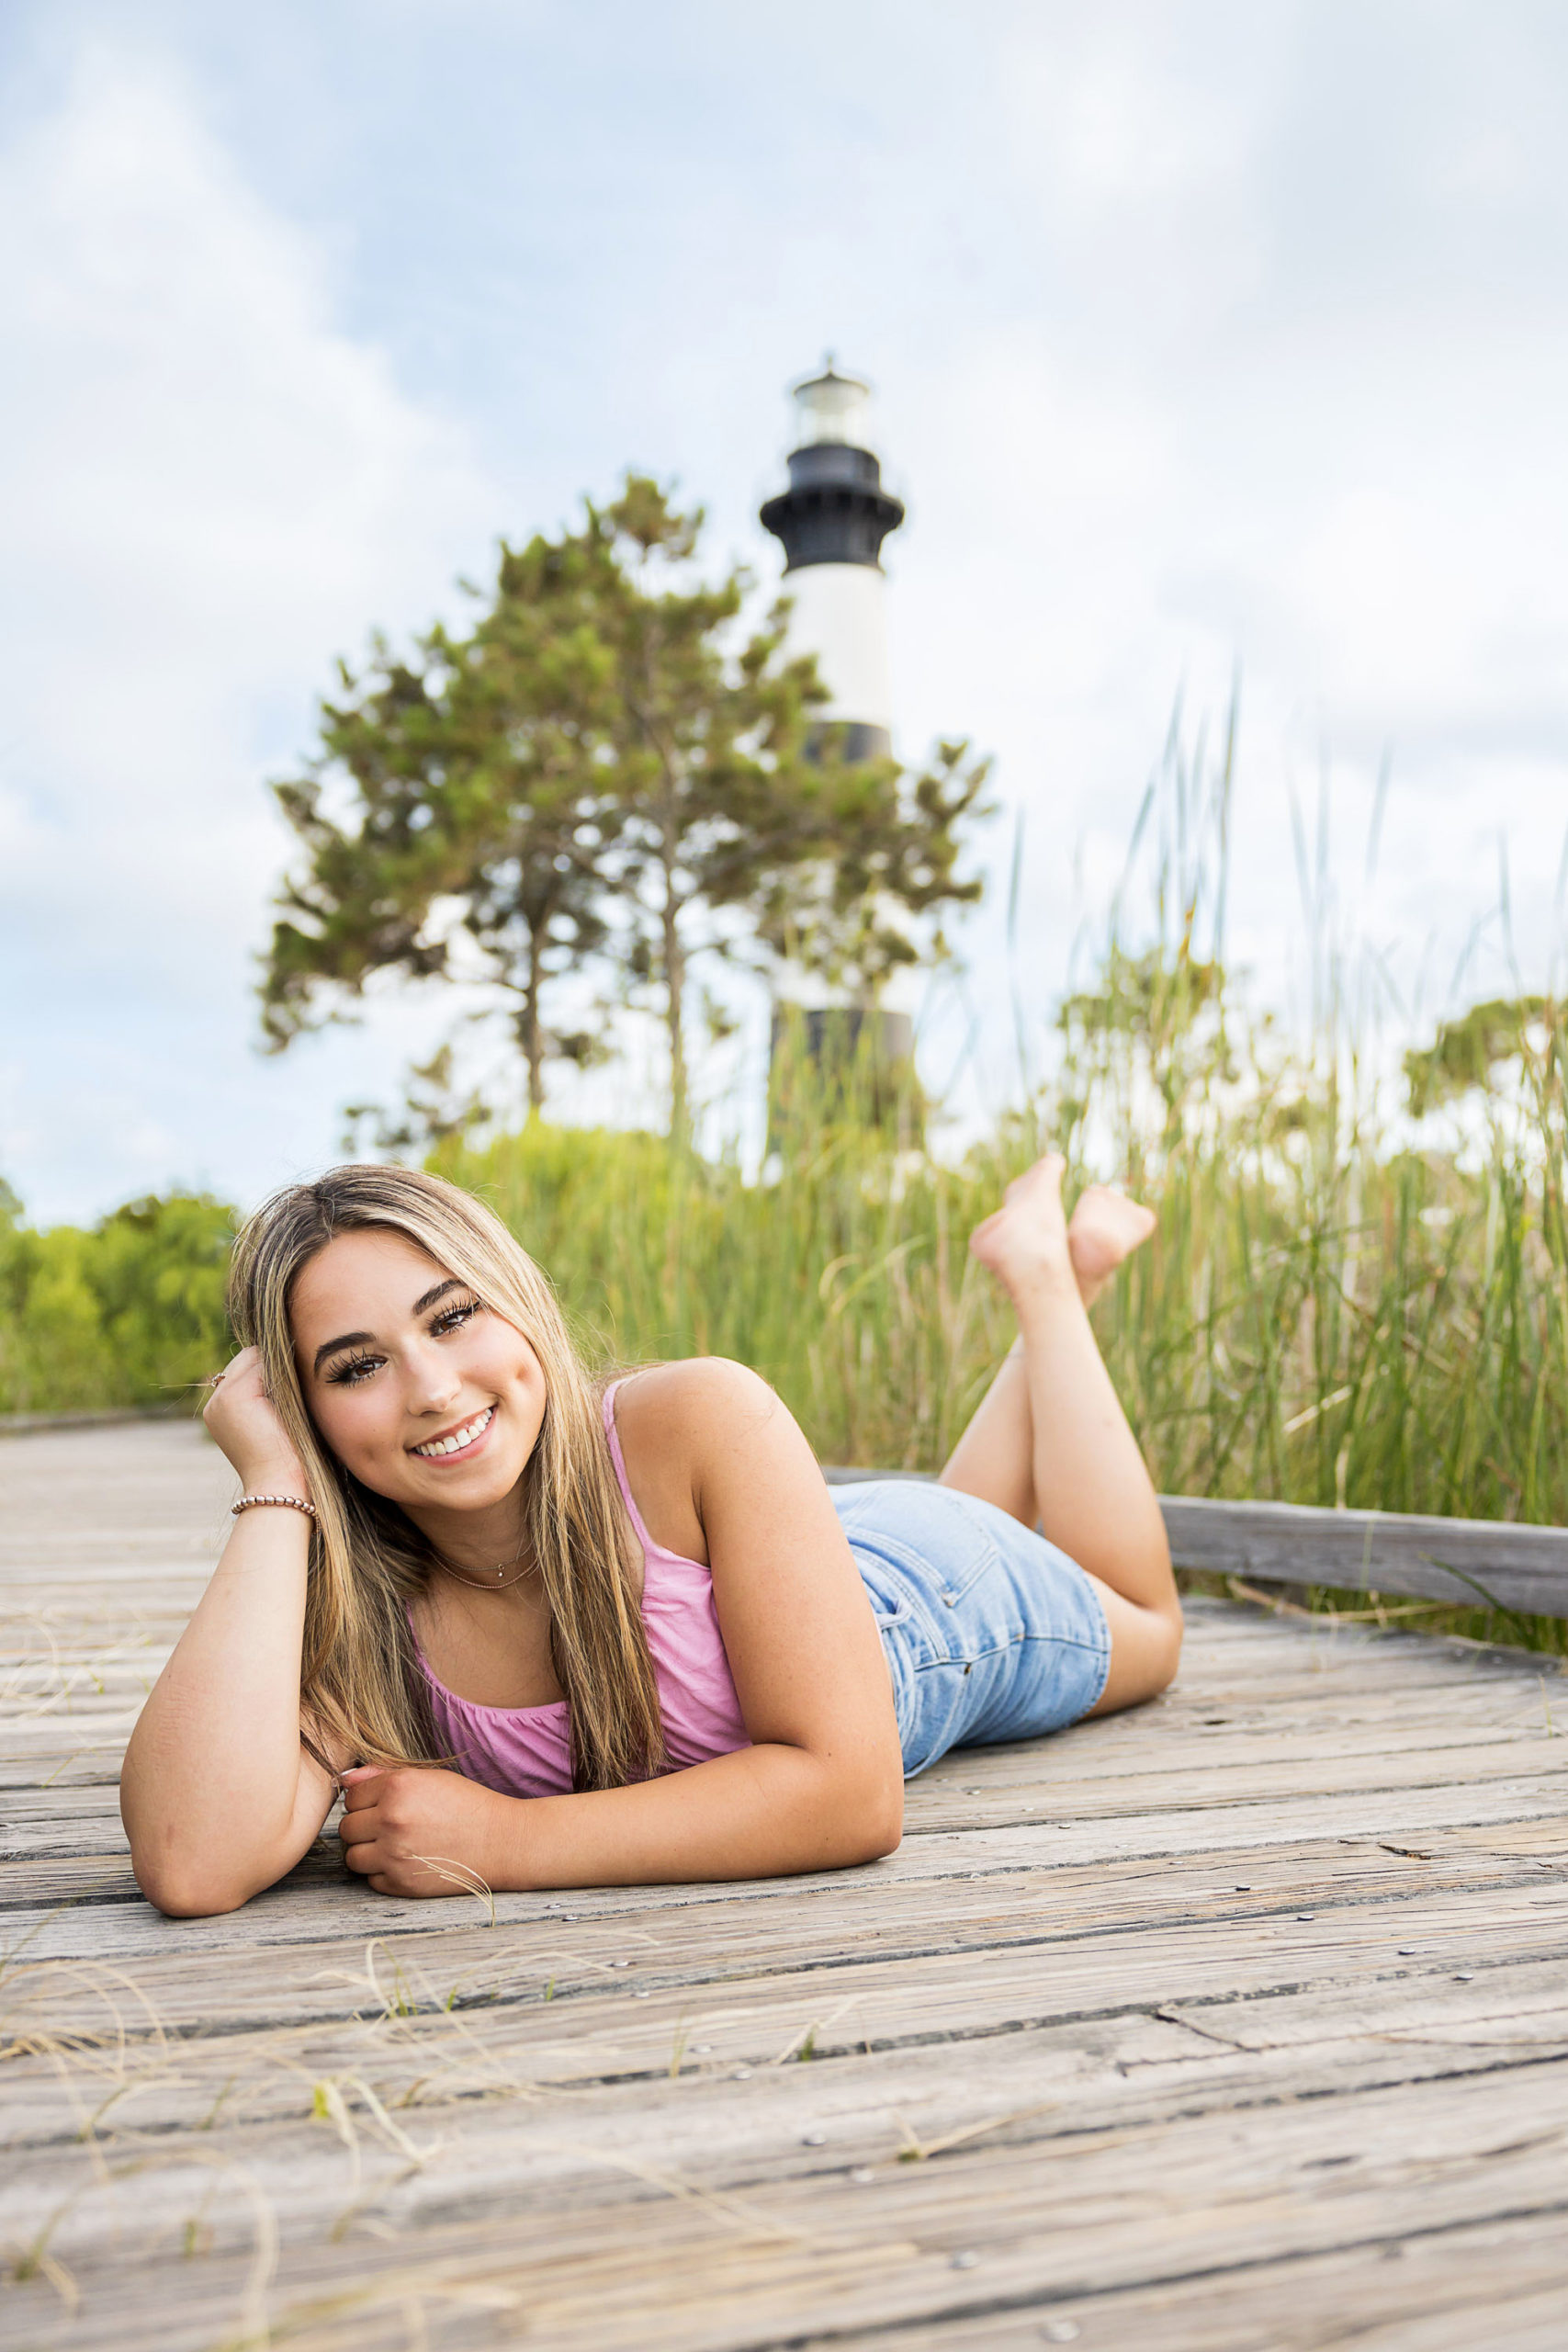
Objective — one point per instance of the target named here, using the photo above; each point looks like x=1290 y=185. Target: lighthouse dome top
x=835 y=510
x=832 y=408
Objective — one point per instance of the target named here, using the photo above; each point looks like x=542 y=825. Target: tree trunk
x=673 y=949
x=675 y=994
x=533 y=1029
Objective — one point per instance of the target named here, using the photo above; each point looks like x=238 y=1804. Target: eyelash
x=358 y=1368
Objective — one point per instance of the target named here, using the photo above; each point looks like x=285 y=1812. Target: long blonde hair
x=361 y=1688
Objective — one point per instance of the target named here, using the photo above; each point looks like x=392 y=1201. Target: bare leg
x=995 y=1457
x=1049 y=1442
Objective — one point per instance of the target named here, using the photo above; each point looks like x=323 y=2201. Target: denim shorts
x=990 y=1632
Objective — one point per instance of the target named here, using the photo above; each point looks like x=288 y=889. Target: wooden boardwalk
x=1233 y=2024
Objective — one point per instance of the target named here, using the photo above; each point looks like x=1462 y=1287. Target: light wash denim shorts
x=991 y=1632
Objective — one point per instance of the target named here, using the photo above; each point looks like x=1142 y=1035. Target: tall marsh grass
x=1315 y=1321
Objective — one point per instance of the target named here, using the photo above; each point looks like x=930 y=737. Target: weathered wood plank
x=874 y=1915
x=1335 y=2033
x=1459 y=1560
x=691 y=2263
x=1483 y=2287
x=350 y=1914
x=1110 y=1923
x=625 y=1986
x=35 y=1830
x=1132 y=2082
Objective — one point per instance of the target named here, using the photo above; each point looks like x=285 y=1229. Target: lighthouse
x=832 y=520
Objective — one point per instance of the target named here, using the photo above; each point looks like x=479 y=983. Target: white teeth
x=459 y=1438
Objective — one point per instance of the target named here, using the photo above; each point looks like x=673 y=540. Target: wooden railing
x=1474 y=1562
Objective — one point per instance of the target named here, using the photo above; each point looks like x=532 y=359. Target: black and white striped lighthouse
x=832 y=520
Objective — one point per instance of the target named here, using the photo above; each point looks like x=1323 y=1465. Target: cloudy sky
x=1206 y=336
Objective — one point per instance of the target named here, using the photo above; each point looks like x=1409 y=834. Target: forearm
x=212 y=1785
x=762 y=1812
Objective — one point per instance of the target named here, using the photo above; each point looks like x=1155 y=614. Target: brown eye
x=454 y=1318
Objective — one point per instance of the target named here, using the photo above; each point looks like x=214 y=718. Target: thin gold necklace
x=460 y=1576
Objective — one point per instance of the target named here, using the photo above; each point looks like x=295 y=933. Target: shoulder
x=696 y=1399
x=688 y=1431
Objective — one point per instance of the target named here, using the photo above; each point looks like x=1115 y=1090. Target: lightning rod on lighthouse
x=832 y=520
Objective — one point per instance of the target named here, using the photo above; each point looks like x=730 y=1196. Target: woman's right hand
x=242 y=1418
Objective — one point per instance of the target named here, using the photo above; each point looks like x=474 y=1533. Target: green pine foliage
x=1474 y=1050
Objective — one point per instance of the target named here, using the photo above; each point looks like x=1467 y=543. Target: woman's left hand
x=419 y=1830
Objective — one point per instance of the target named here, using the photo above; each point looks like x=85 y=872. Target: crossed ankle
x=1050 y=1280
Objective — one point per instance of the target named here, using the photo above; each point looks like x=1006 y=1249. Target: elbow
x=182 y=1872
x=178 y=1898
x=1168 y=1656
x=878 y=1819
x=184 y=1890
x=883 y=1841
x=1152 y=1667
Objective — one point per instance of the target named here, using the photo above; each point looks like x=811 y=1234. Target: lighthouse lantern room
x=832 y=520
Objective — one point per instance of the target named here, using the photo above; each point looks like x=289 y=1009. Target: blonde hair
x=361 y=1686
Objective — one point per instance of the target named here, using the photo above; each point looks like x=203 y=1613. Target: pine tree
x=712 y=755
x=483 y=808
x=611 y=771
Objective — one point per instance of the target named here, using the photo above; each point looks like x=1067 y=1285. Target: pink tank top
x=527 y=1751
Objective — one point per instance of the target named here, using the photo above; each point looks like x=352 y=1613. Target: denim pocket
x=960 y=1566
x=921 y=1551
x=891 y=1603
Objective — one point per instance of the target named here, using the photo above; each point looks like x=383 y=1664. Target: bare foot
x=1026 y=1239
x=1106 y=1228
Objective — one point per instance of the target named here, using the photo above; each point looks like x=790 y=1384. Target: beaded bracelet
x=250 y=1502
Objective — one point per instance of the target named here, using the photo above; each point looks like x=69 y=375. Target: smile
x=438 y=1449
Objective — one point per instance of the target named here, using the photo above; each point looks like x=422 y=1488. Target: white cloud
x=210 y=488
x=1282 y=385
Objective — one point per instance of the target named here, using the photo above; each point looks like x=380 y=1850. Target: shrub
x=128 y=1312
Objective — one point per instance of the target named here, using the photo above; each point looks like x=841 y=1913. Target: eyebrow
x=362 y=1338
